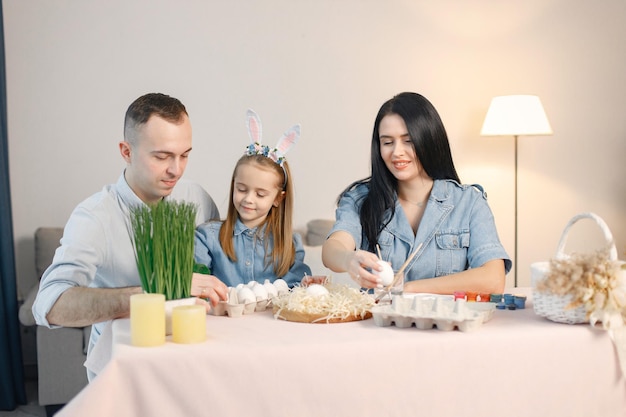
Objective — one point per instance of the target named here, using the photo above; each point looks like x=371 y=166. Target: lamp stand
x=515 y=115
x=515 y=247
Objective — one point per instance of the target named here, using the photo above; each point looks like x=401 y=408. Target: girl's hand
x=357 y=266
x=208 y=287
x=313 y=279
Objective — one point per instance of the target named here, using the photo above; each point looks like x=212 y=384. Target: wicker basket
x=552 y=306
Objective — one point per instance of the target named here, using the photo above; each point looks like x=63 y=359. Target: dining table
x=515 y=364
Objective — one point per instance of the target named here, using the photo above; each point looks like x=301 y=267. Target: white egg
x=316 y=290
x=245 y=295
x=260 y=292
x=386 y=275
x=232 y=296
x=271 y=288
x=281 y=285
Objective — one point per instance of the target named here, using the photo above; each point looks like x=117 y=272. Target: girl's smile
x=256 y=191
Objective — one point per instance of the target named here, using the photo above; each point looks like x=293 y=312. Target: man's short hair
x=148 y=105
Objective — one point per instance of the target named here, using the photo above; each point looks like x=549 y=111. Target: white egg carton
x=248 y=298
x=425 y=311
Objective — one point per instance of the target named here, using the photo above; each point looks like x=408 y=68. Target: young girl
x=256 y=241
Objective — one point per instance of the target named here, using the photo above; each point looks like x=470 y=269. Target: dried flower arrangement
x=163 y=239
x=594 y=281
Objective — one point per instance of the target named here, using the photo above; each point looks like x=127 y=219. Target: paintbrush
x=398 y=274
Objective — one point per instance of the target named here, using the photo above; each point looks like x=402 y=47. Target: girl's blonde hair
x=278 y=222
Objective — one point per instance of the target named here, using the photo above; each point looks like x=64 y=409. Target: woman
x=414 y=201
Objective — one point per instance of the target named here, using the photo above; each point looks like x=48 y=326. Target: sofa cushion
x=60 y=358
x=317 y=231
x=25 y=312
x=47 y=240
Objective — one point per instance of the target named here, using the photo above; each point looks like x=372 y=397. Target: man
x=94 y=272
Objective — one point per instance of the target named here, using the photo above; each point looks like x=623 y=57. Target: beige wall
x=74 y=66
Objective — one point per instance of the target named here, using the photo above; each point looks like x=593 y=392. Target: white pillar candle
x=147 y=319
x=189 y=324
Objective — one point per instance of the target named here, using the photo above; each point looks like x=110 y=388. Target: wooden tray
x=291 y=315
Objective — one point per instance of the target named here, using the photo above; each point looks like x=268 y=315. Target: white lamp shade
x=516 y=115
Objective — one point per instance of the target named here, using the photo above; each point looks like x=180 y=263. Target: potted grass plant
x=163 y=239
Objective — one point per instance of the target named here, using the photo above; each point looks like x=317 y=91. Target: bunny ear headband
x=286 y=141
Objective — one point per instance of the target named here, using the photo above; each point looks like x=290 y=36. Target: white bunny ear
x=254 y=126
x=287 y=140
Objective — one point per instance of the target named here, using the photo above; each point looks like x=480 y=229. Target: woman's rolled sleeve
x=485 y=244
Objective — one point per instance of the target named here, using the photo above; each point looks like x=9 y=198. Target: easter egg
x=281 y=285
x=316 y=290
x=245 y=295
x=386 y=275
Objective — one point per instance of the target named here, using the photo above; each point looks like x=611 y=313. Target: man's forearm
x=80 y=306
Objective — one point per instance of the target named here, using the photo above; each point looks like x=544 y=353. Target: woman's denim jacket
x=457 y=231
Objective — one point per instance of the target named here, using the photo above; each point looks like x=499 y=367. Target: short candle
x=189 y=324
x=147 y=319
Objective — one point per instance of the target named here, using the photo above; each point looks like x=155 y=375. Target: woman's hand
x=339 y=255
x=208 y=287
x=357 y=265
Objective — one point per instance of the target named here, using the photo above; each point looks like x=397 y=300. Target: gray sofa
x=60 y=352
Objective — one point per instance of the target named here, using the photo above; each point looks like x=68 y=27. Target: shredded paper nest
x=341 y=304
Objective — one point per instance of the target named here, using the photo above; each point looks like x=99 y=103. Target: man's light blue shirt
x=252 y=264
x=96 y=248
x=457 y=231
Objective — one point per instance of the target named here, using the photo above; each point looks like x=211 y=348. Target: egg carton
x=249 y=298
x=225 y=308
x=428 y=311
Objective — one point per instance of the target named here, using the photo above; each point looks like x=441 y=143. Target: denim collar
x=434 y=213
x=442 y=189
x=241 y=228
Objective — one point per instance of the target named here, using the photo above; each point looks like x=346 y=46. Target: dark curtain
x=12 y=390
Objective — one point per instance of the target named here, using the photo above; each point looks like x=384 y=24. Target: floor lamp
x=516 y=116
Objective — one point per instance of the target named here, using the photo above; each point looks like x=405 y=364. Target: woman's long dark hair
x=430 y=141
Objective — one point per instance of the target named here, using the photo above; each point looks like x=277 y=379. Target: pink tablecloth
x=517 y=364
